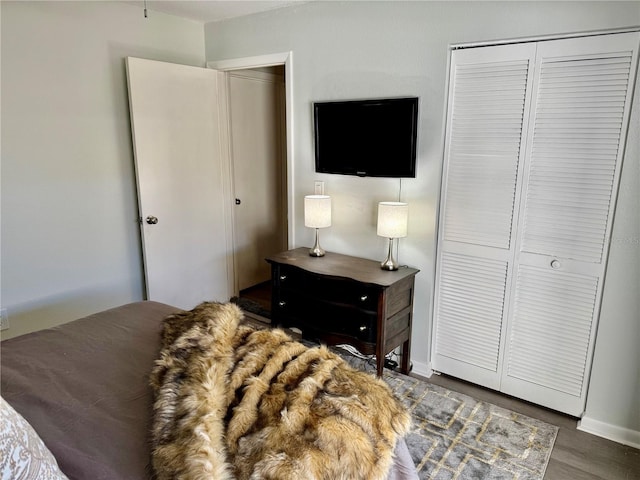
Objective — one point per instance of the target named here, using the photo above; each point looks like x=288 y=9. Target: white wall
x=344 y=50
x=70 y=238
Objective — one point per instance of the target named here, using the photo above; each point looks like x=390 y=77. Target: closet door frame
x=577 y=407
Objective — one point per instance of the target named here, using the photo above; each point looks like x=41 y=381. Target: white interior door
x=175 y=116
x=535 y=141
x=256 y=107
x=582 y=94
x=487 y=113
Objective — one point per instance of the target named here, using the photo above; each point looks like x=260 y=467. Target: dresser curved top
x=338 y=265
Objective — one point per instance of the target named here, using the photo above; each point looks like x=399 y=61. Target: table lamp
x=317 y=214
x=392 y=223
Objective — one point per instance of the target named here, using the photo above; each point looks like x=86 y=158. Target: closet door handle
x=555 y=264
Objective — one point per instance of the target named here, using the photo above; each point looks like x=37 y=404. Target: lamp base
x=389 y=263
x=317 y=250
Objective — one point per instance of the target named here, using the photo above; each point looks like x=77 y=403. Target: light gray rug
x=458 y=437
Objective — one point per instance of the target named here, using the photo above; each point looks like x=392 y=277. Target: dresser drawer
x=332 y=289
x=305 y=312
x=288 y=277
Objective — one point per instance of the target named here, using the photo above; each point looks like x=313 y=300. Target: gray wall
x=70 y=240
x=345 y=50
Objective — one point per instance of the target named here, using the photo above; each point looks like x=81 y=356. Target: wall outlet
x=4 y=319
x=318 y=188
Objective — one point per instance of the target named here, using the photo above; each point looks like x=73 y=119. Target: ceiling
x=212 y=10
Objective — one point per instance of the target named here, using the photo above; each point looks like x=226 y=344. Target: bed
x=84 y=388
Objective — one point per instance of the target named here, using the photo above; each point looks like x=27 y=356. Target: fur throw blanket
x=233 y=402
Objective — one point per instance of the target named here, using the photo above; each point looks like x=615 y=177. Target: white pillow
x=23 y=454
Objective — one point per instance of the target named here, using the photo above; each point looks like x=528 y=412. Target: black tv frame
x=348 y=162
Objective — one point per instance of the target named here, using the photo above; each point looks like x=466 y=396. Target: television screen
x=373 y=138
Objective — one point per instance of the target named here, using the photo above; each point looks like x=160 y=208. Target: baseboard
x=422 y=369
x=610 y=432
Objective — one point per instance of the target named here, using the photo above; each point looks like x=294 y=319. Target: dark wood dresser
x=339 y=299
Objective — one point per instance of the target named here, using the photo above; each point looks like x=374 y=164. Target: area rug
x=455 y=436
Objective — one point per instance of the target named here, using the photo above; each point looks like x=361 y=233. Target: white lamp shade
x=317 y=211
x=392 y=219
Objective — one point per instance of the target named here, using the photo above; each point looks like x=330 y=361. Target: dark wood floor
x=576 y=455
x=260 y=294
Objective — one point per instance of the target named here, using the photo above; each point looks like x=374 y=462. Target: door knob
x=151 y=220
x=238 y=201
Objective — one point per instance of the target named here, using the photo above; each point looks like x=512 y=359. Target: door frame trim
x=540 y=38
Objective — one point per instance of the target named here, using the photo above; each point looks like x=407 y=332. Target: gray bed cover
x=84 y=387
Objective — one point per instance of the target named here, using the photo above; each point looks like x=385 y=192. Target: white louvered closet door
x=582 y=91
x=529 y=184
x=489 y=91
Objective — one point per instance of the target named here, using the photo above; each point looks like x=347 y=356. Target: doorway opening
x=260 y=145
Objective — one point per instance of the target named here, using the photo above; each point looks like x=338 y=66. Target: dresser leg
x=406 y=352
x=379 y=356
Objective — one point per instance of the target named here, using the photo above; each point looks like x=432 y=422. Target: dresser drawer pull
x=282 y=303
x=364 y=298
x=363 y=328
x=283 y=277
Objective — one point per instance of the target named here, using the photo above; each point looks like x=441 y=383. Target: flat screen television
x=368 y=138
